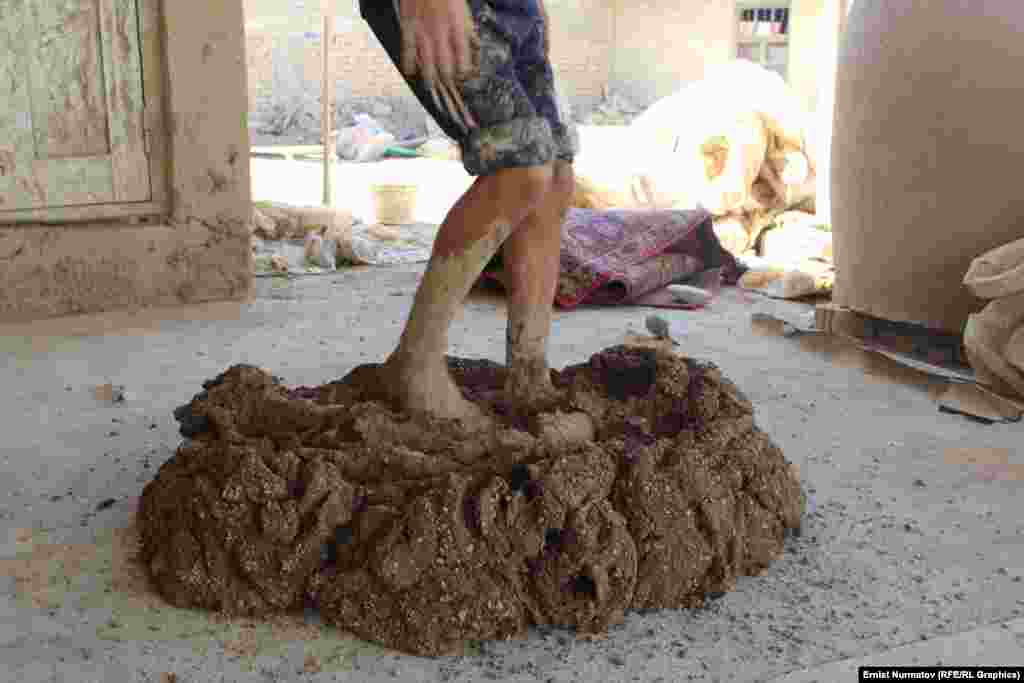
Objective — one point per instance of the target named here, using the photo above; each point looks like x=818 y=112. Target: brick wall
x=644 y=49
x=290 y=45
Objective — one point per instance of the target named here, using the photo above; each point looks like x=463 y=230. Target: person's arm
x=438 y=44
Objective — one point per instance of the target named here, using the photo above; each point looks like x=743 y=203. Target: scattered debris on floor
x=414 y=536
x=110 y=393
x=991 y=464
x=365 y=141
x=278 y=221
x=688 y=294
x=108 y=574
x=798 y=281
x=279 y=263
x=659 y=327
x=976 y=402
x=929 y=354
x=734 y=143
x=795 y=236
x=613 y=110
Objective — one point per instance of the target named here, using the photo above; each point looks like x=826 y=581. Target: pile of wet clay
x=647 y=486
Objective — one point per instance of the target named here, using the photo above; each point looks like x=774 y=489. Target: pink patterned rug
x=628 y=256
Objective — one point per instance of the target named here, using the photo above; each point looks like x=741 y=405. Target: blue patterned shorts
x=512 y=98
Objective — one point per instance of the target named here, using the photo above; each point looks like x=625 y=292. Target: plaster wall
x=196 y=247
x=660 y=46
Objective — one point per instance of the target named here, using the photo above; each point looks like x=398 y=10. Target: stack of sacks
x=735 y=143
x=994 y=338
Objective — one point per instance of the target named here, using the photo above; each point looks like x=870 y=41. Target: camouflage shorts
x=513 y=98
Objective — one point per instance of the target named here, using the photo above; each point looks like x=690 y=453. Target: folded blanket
x=627 y=257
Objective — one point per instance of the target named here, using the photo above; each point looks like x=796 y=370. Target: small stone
x=686 y=294
x=658 y=327
x=279 y=263
x=328 y=554
x=920 y=483
x=617 y=660
x=583 y=585
x=105 y=504
x=519 y=477
x=109 y=393
x=193 y=425
x=343 y=535
x=311 y=665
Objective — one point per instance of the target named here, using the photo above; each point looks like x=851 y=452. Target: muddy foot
x=422 y=392
x=531 y=390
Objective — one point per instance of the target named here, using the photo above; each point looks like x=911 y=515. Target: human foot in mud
x=529 y=387
x=418 y=389
x=528 y=383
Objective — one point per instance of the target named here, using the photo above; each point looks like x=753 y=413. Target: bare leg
x=478 y=224
x=531 y=261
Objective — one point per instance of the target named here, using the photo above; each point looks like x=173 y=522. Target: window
x=763 y=35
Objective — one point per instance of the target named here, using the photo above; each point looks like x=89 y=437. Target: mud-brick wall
x=643 y=49
x=284 y=54
x=284 y=50
x=197 y=249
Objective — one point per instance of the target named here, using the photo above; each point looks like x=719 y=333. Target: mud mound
x=648 y=486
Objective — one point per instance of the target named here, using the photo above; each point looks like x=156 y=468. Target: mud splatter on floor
x=107 y=574
x=648 y=485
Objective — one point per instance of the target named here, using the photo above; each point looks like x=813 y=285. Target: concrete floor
x=908 y=554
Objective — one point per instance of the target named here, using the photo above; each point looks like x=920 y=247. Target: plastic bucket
x=394 y=204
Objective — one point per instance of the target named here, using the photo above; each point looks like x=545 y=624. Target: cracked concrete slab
x=904 y=543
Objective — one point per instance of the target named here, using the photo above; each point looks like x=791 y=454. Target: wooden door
x=72 y=125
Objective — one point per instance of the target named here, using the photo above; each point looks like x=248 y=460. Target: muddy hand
x=439 y=43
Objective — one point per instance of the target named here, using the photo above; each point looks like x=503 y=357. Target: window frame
x=762 y=43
